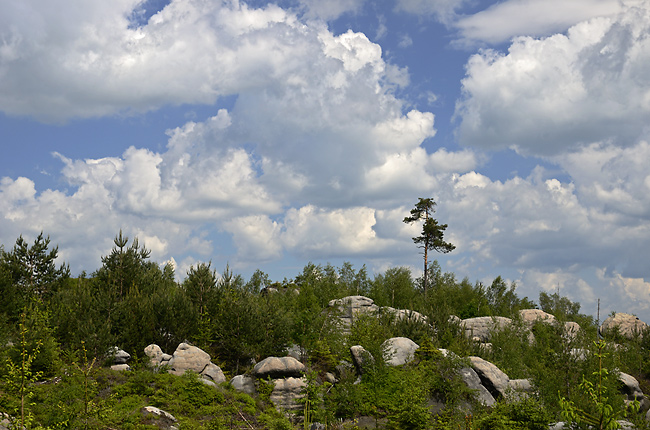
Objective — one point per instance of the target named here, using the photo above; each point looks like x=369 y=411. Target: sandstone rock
x=286 y=393
x=188 y=357
x=121 y=367
x=162 y=418
x=213 y=373
x=278 y=367
x=530 y=316
x=119 y=356
x=351 y=307
x=473 y=382
x=405 y=314
x=154 y=353
x=492 y=378
x=481 y=328
x=243 y=383
x=361 y=357
x=628 y=325
x=522 y=385
x=632 y=391
x=399 y=351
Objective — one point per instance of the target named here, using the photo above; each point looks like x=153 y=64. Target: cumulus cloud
x=552 y=95
x=504 y=20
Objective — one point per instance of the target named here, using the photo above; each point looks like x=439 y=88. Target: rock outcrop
x=627 y=325
x=186 y=358
x=278 y=367
x=399 y=350
x=481 y=328
x=492 y=378
x=162 y=419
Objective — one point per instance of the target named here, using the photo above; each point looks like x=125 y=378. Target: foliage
x=600 y=412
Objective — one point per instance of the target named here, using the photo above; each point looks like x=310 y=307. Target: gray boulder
x=276 y=367
x=632 y=391
x=361 y=357
x=627 y=325
x=163 y=419
x=481 y=328
x=349 y=308
x=119 y=355
x=121 y=367
x=473 y=382
x=213 y=373
x=243 y=383
x=492 y=378
x=188 y=357
x=154 y=353
x=286 y=393
x=399 y=350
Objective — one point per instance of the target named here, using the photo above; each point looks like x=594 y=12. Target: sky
x=270 y=135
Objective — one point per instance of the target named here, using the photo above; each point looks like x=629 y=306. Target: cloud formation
x=553 y=95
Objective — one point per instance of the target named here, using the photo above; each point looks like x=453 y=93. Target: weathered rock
x=286 y=393
x=632 y=391
x=154 y=353
x=213 y=373
x=350 y=308
x=481 y=328
x=330 y=377
x=361 y=357
x=162 y=418
x=473 y=382
x=121 y=367
x=243 y=383
x=522 y=385
x=492 y=378
x=188 y=357
x=119 y=355
x=571 y=329
x=405 y=314
x=399 y=350
x=276 y=367
x=531 y=316
x=5 y=423
x=297 y=352
x=628 y=325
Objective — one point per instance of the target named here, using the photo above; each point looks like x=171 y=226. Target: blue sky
x=270 y=135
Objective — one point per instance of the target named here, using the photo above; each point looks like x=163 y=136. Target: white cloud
x=331 y=9
x=504 y=20
x=443 y=10
x=551 y=95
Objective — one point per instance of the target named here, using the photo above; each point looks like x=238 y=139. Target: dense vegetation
x=55 y=331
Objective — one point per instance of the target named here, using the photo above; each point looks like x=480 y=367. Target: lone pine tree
x=432 y=236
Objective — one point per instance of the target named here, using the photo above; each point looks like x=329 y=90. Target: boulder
x=287 y=392
x=243 y=383
x=632 y=391
x=628 y=325
x=530 y=316
x=361 y=357
x=121 y=367
x=163 y=419
x=405 y=314
x=492 y=378
x=213 y=373
x=473 y=382
x=399 y=350
x=155 y=355
x=119 y=355
x=351 y=307
x=188 y=357
x=275 y=367
x=481 y=328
